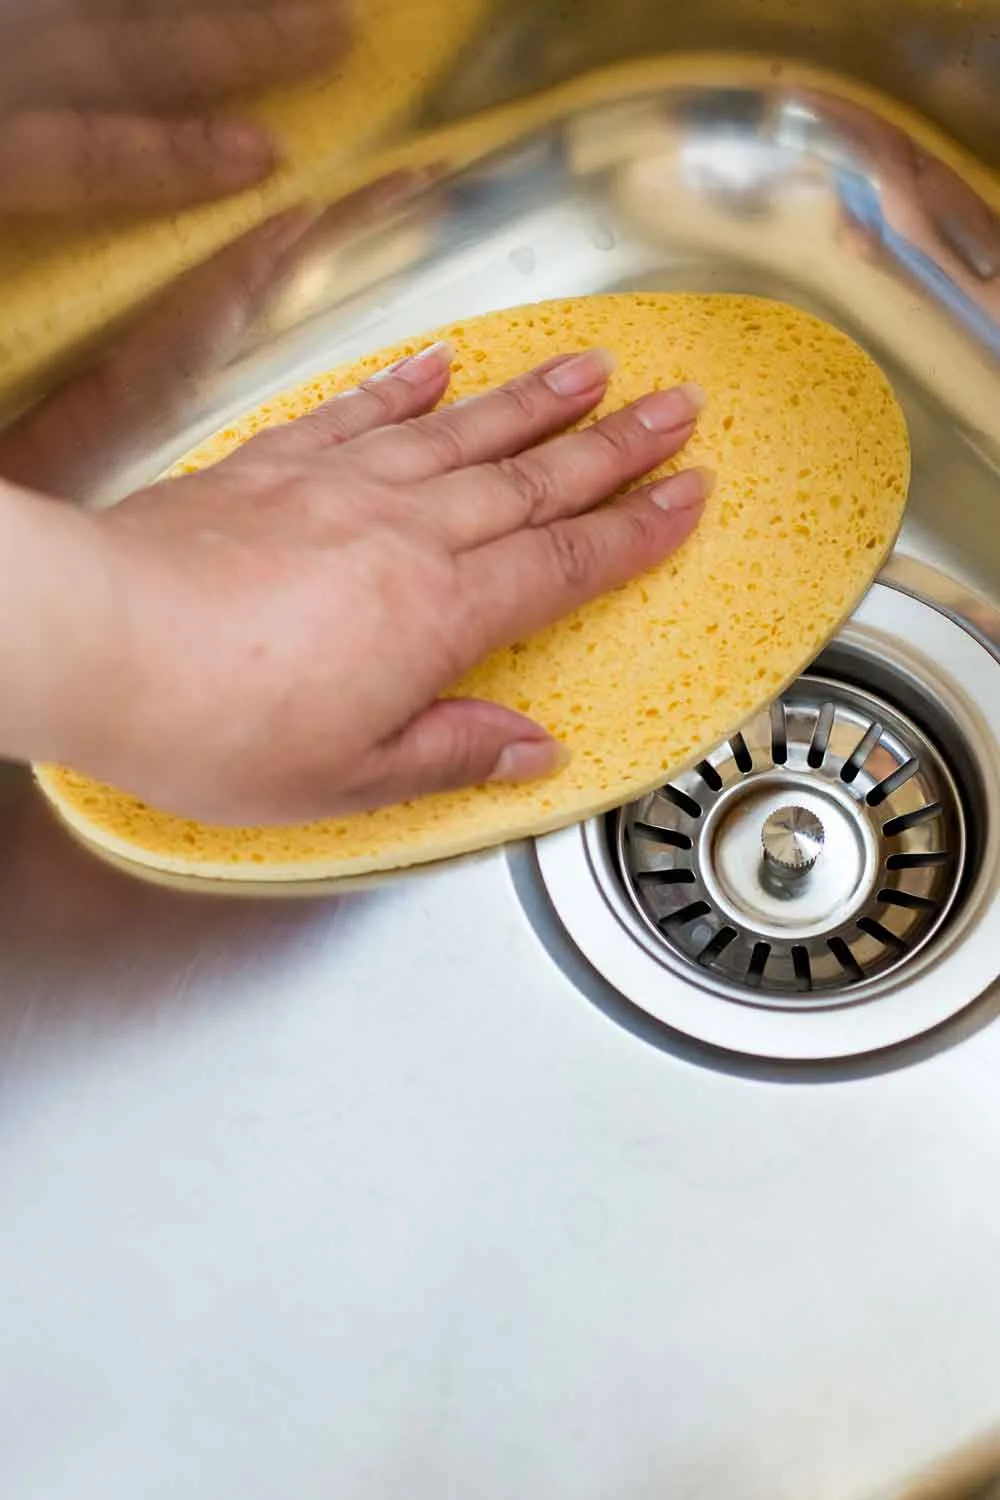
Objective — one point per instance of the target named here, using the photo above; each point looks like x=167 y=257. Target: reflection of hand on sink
x=921 y=202
x=149 y=381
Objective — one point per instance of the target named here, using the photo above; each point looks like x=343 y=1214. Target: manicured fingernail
x=665 y=411
x=684 y=491
x=531 y=760
x=428 y=364
x=579 y=373
x=695 y=393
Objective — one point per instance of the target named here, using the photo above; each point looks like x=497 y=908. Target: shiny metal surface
x=792 y=841
x=757 y=997
x=866 y=789
x=368 y=1194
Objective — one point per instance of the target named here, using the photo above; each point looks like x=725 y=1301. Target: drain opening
x=821 y=848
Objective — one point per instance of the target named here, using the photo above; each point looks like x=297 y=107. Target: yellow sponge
x=813 y=460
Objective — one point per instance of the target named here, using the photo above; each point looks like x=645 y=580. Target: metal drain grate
x=820 y=848
x=816 y=889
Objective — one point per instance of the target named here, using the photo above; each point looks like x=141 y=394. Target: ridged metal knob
x=793 y=840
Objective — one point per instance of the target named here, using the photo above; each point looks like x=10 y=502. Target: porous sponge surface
x=812 y=455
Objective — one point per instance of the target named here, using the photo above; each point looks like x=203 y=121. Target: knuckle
x=574 y=556
x=441 y=440
x=333 y=424
x=531 y=482
x=523 y=398
x=455 y=762
x=620 y=439
x=380 y=396
x=640 y=535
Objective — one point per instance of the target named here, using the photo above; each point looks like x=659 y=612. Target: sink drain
x=821 y=847
x=824 y=884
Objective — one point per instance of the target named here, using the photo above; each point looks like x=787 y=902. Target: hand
x=269 y=640
x=114 y=103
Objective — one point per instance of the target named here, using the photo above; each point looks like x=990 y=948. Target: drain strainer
x=825 y=883
x=821 y=847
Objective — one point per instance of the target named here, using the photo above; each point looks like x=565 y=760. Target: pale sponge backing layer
x=813 y=460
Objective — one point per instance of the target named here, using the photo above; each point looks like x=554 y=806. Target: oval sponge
x=813 y=460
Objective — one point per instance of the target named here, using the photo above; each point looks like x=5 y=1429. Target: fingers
x=174 y=60
x=408 y=389
x=568 y=475
x=53 y=161
x=456 y=743
x=532 y=578
x=494 y=426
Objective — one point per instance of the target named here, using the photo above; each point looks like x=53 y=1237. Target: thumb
x=460 y=742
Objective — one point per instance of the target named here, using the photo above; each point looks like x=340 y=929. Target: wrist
x=62 y=661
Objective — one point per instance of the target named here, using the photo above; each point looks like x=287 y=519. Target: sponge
x=812 y=454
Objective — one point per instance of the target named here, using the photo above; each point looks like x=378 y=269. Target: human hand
x=268 y=640
x=114 y=103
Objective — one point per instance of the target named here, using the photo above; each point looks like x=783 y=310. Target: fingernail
x=665 y=411
x=684 y=491
x=426 y=365
x=579 y=373
x=531 y=760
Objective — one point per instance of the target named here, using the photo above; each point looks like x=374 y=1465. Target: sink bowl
x=412 y=1188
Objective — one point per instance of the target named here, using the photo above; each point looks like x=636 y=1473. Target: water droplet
x=524 y=259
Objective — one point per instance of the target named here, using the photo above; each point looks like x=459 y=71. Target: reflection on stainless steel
x=787 y=188
x=104 y=432
x=944 y=61
x=364 y=1192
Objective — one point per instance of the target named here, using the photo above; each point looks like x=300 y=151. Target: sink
x=412 y=1189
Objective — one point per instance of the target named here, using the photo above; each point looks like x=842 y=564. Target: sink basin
x=397 y=1191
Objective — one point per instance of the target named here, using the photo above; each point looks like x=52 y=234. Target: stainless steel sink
x=420 y=1190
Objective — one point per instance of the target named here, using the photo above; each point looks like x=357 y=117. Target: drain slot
x=741 y=755
x=892 y=784
x=912 y=861
x=779 y=735
x=668 y=877
x=908 y=900
x=664 y=835
x=883 y=935
x=682 y=801
x=851 y=769
x=718 y=945
x=821 y=737
x=802 y=968
x=709 y=776
x=758 y=963
x=903 y=824
x=845 y=958
x=686 y=915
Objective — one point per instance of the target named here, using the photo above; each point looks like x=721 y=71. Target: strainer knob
x=793 y=840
